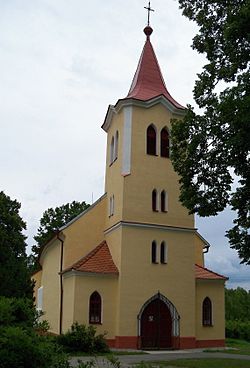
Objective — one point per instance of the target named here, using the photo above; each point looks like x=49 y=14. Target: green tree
x=14 y=275
x=52 y=220
x=212 y=147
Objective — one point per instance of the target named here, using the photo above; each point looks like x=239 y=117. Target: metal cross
x=149 y=9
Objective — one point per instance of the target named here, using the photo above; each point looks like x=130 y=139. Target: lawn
x=237 y=347
x=242 y=346
x=203 y=363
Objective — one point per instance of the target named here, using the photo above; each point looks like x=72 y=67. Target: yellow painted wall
x=106 y=286
x=50 y=282
x=84 y=234
x=37 y=278
x=140 y=279
x=199 y=256
x=68 y=302
x=214 y=289
x=151 y=172
x=114 y=180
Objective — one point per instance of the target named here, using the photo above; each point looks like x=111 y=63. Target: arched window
x=154 y=252
x=116 y=145
x=111 y=205
x=207 y=312
x=164 y=143
x=154 y=200
x=163 y=252
x=111 y=151
x=151 y=140
x=95 y=308
x=164 y=203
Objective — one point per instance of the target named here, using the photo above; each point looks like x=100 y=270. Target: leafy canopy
x=212 y=147
x=14 y=276
x=52 y=220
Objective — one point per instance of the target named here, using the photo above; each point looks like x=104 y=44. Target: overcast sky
x=62 y=63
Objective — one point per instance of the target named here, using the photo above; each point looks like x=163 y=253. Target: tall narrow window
x=151 y=140
x=154 y=252
x=154 y=200
x=164 y=201
x=39 y=303
x=116 y=145
x=207 y=312
x=95 y=308
x=164 y=143
x=163 y=252
x=111 y=151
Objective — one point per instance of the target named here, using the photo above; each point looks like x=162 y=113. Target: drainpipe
x=61 y=285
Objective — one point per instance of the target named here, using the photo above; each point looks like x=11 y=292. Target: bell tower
x=141 y=184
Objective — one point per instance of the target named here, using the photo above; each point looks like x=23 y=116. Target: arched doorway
x=158 y=324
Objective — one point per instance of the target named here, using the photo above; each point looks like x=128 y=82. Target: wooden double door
x=156 y=326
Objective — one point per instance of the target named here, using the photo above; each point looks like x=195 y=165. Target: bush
x=24 y=349
x=238 y=330
x=84 y=339
x=17 y=312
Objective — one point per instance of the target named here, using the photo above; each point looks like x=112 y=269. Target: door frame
x=175 y=334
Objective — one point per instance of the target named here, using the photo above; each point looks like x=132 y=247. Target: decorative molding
x=128 y=102
x=147 y=226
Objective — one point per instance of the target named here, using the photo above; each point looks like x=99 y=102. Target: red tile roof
x=99 y=260
x=205 y=274
x=148 y=81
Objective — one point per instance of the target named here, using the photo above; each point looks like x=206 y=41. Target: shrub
x=238 y=330
x=24 y=349
x=83 y=338
x=17 y=312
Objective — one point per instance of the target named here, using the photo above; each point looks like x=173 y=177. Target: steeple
x=148 y=81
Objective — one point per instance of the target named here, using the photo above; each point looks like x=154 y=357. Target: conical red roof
x=148 y=81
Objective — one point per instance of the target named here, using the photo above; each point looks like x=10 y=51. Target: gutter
x=61 y=284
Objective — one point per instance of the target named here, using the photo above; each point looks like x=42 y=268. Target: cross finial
x=149 y=9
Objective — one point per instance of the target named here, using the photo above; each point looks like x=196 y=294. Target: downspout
x=207 y=249
x=61 y=285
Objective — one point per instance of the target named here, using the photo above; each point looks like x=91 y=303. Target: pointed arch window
x=116 y=145
x=163 y=254
x=154 y=200
x=164 y=201
x=207 y=312
x=164 y=143
x=95 y=308
x=111 y=157
x=154 y=252
x=151 y=140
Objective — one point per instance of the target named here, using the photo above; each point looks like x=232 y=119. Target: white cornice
x=71 y=273
x=147 y=226
x=146 y=104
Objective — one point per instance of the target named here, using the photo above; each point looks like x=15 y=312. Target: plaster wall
x=214 y=289
x=51 y=284
x=106 y=286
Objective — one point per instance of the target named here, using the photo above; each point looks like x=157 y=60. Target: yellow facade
x=124 y=219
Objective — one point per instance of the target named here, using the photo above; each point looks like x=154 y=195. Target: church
x=132 y=264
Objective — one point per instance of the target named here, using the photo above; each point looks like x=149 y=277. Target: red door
x=156 y=326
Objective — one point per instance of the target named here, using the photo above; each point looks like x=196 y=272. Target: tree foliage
x=52 y=220
x=212 y=147
x=14 y=276
x=237 y=302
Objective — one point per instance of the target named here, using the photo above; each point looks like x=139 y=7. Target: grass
x=204 y=363
x=241 y=347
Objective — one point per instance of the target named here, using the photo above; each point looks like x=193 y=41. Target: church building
x=132 y=264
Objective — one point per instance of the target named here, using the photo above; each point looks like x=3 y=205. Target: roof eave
x=126 y=102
